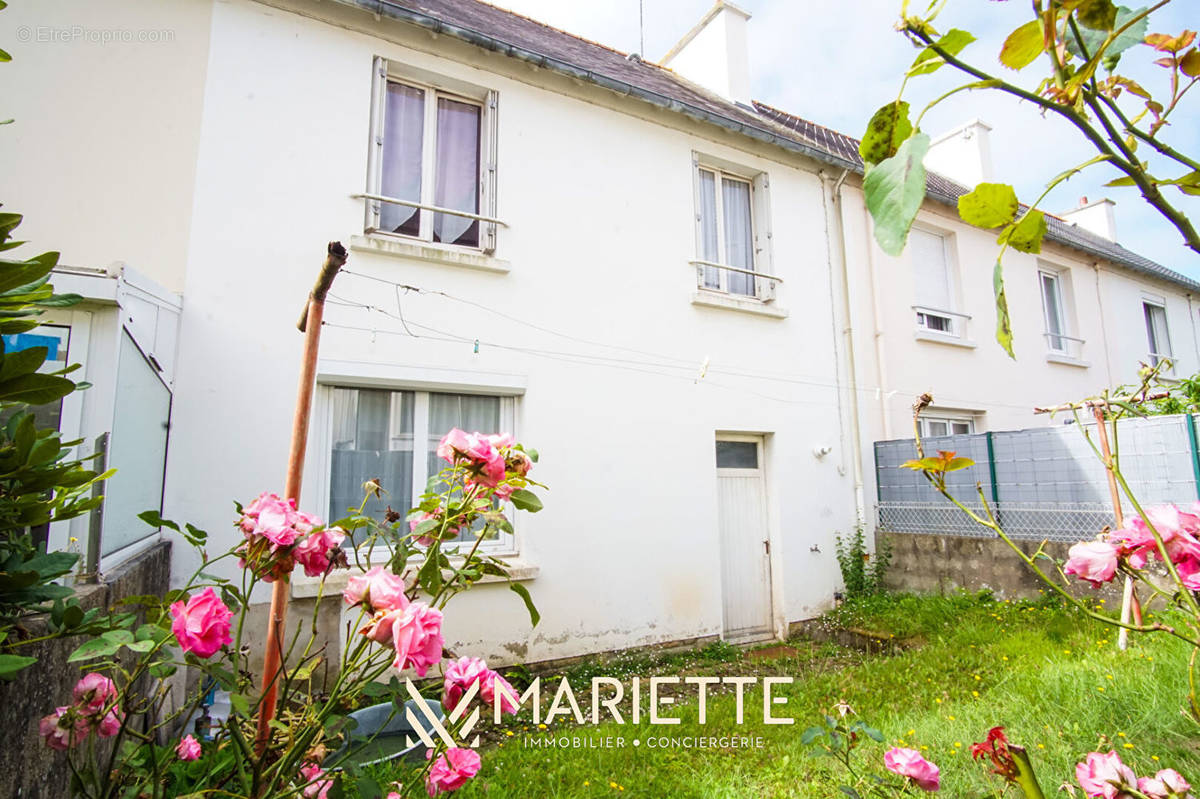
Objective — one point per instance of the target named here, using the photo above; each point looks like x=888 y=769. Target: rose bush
x=403 y=578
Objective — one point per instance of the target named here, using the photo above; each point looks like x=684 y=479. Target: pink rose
x=271 y=517
x=417 y=638
x=188 y=749
x=63 y=728
x=94 y=693
x=313 y=551
x=1189 y=573
x=317 y=788
x=1166 y=784
x=460 y=674
x=1094 y=561
x=454 y=444
x=110 y=724
x=451 y=770
x=909 y=763
x=202 y=625
x=378 y=589
x=1105 y=775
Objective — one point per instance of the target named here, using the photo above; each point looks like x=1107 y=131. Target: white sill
x=942 y=338
x=428 y=251
x=733 y=302
x=1066 y=360
x=304 y=587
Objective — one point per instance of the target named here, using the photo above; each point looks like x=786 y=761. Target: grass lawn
x=1055 y=680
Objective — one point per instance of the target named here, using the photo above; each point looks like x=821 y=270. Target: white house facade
x=660 y=286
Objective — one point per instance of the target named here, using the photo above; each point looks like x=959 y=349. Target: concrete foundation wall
x=941 y=564
x=28 y=768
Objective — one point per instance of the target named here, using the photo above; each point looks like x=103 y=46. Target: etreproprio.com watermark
x=76 y=34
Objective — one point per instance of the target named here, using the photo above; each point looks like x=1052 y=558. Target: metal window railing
x=956 y=322
x=765 y=286
x=426 y=207
x=1066 y=346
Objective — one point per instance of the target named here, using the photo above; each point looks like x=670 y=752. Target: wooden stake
x=1118 y=517
x=310 y=325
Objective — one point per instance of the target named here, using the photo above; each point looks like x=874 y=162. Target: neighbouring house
x=654 y=280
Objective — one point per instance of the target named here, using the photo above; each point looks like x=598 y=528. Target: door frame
x=776 y=627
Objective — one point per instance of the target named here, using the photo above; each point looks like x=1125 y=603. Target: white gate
x=745 y=547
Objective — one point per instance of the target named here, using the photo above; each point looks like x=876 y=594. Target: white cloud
x=835 y=62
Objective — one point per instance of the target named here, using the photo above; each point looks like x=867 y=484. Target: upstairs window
x=433 y=152
x=733 y=253
x=935 y=308
x=1052 y=311
x=1157 y=334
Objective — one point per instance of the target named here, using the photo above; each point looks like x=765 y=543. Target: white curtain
x=468 y=412
x=369 y=431
x=404 y=126
x=1051 y=302
x=708 y=228
x=1156 y=331
x=739 y=234
x=457 y=183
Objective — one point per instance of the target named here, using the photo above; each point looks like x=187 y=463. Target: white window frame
x=1149 y=301
x=504 y=544
x=950 y=419
x=956 y=322
x=761 y=257
x=1063 y=336
x=434 y=87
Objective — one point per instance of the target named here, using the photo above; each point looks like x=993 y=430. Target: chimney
x=963 y=154
x=715 y=53
x=1097 y=217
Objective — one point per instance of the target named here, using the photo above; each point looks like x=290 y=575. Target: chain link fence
x=1068 y=523
x=1042 y=483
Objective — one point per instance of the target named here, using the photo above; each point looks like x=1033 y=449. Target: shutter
x=489 y=130
x=375 y=144
x=698 y=217
x=763 y=239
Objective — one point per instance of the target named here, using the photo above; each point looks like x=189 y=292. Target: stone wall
x=28 y=768
x=941 y=564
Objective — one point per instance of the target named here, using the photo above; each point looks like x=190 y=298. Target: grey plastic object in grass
x=382 y=727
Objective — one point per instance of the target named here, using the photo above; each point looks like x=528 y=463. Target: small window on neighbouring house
x=933 y=426
x=737 y=455
x=433 y=149
x=1052 y=311
x=935 y=307
x=1157 y=334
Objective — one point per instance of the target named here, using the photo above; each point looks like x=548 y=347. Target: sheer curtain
x=1054 y=318
x=372 y=439
x=404 y=129
x=739 y=234
x=457 y=182
x=465 y=411
x=708 y=228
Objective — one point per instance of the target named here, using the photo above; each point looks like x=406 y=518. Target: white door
x=745 y=548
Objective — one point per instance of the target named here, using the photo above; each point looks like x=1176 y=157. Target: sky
x=836 y=61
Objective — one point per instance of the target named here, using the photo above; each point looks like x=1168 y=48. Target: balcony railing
x=711 y=276
x=1065 y=346
x=939 y=320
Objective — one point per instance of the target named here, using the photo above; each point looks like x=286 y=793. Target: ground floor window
x=392 y=436
x=933 y=426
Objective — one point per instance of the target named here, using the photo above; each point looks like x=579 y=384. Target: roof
x=521 y=37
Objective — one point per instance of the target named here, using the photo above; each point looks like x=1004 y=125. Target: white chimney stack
x=963 y=154
x=715 y=53
x=1097 y=217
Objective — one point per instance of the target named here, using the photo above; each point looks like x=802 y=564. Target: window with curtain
x=436 y=149
x=934 y=287
x=1052 y=311
x=1157 y=334
x=726 y=232
x=393 y=436
x=934 y=426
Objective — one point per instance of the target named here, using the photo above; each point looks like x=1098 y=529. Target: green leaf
x=19 y=273
x=140 y=646
x=36 y=389
x=1099 y=15
x=1004 y=333
x=1094 y=39
x=952 y=42
x=888 y=129
x=990 y=205
x=812 y=734
x=523 y=499
x=1023 y=46
x=118 y=637
x=22 y=362
x=152 y=518
x=1125 y=181
x=1026 y=234
x=873 y=734
x=895 y=190
x=10 y=665
x=368 y=788
x=523 y=592
x=95 y=648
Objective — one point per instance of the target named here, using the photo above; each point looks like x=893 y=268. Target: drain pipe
x=881 y=374
x=833 y=201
